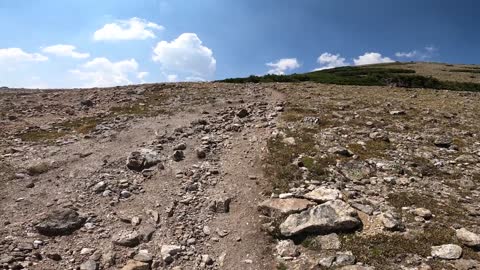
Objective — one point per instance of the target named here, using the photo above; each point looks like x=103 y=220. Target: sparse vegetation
x=378 y=249
x=81 y=125
x=365 y=75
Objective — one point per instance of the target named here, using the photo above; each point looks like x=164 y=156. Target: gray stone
x=367 y=209
x=60 y=222
x=143 y=257
x=201 y=154
x=332 y=216
x=126 y=239
x=344 y=258
x=326 y=261
x=221 y=205
x=242 y=113
x=323 y=194
x=168 y=252
x=135 y=265
x=280 y=207
x=143 y=159
x=468 y=238
x=100 y=187
x=181 y=146
x=89 y=265
x=286 y=248
x=392 y=221
x=178 y=155
x=356 y=267
x=422 y=212
x=443 y=141
x=447 y=252
x=340 y=151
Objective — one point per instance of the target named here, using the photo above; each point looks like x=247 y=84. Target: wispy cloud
x=65 y=50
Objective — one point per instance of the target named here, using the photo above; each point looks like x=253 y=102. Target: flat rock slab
x=332 y=216
x=323 y=194
x=280 y=207
x=447 y=252
x=60 y=222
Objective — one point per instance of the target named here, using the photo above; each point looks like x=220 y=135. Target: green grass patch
x=381 y=250
x=371 y=149
x=466 y=70
x=281 y=156
x=364 y=75
x=82 y=126
x=447 y=210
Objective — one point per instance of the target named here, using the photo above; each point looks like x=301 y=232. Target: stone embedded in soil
x=286 y=248
x=143 y=159
x=60 y=222
x=280 y=207
x=323 y=194
x=178 y=155
x=392 y=221
x=468 y=238
x=447 y=252
x=340 y=151
x=89 y=265
x=168 y=252
x=136 y=265
x=422 y=212
x=242 y=113
x=126 y=239
x=356 y=267
x=443 y=141
x=221 y=205
x=332 y=216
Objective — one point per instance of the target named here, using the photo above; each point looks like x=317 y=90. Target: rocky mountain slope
x=240 y=176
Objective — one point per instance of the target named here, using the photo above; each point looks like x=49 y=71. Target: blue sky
x=114 y=42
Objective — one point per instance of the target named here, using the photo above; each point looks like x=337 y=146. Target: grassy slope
x=380 y=75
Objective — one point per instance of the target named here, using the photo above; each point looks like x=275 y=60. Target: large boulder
x=332 y=216
x=60 y=222
x=281 y=207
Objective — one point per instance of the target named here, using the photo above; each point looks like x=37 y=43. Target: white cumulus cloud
x=185 y=56
x=328 y=60
x=371 y=58
x=283 y=65
x=65 y=50
x=17 y=55
x=131 y=29
x=101 y=72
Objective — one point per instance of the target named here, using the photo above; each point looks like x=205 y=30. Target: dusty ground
x=69 y=150
x=76 y=158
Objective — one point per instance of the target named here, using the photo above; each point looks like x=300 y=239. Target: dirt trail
x=171 y=203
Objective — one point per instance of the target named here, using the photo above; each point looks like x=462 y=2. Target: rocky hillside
x=240 y=176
